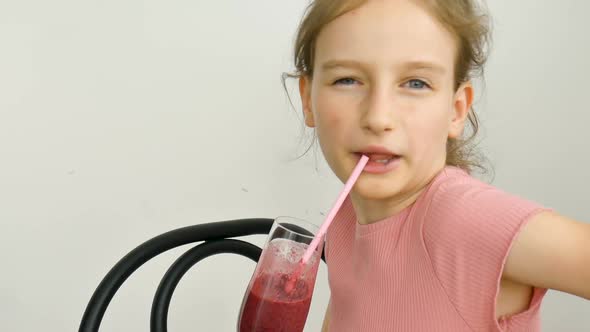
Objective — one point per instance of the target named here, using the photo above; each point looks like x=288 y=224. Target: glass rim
x=303 y=221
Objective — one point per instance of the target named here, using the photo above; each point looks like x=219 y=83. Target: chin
x=373 y=188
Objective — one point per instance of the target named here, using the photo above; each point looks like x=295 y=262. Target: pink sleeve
x=326 y=246
x=468 y=231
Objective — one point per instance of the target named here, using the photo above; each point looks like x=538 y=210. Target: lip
x=375 y=167
x=376 y=149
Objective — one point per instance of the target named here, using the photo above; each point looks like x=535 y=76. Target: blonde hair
x=465 y=19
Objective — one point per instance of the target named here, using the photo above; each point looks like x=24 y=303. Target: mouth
x=381 y=160
x=378 y=154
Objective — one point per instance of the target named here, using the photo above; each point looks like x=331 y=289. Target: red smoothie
x=269 y=307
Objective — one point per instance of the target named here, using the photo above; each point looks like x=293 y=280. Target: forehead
x=387 y=32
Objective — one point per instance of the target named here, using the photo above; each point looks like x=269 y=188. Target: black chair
x=216 y=238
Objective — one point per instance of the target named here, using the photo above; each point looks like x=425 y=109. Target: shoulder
x=470 y=222
x=341 y=231
x=460 y=205
x=467 y=232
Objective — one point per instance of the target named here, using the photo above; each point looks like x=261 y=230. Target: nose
x=378 y=112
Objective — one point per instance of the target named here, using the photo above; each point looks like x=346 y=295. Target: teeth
x=383 y=161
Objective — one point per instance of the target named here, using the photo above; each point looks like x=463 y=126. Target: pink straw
x=347 y=187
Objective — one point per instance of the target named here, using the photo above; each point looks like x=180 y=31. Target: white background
x=120 y=120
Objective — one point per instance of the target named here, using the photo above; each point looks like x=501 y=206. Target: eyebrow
x=425 y=65
x=333 y=64
x=405 y=66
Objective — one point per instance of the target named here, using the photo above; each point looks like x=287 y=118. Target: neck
x=369 y=211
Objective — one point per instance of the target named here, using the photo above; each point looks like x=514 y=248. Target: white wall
x=120 y=120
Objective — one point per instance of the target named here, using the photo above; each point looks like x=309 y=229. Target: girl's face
x=384 y=80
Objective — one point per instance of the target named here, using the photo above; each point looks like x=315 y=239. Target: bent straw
x=347 y=187
x=290 y=284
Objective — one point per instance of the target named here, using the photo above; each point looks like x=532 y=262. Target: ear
x=462 y=102
x=305 y=94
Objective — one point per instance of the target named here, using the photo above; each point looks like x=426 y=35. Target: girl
x=420 y=244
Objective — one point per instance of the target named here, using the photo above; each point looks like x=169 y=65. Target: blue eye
x=345 y=81
x=417 y=84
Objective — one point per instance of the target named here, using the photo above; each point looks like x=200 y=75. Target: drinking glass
x=280 y=290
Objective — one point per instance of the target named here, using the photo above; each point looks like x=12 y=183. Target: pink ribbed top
x=435 y=266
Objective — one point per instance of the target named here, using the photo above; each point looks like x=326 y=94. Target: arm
x=552 y=252
x=326 y=325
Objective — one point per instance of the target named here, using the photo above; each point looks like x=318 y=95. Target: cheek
x=429 y=130
x=331 y=115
